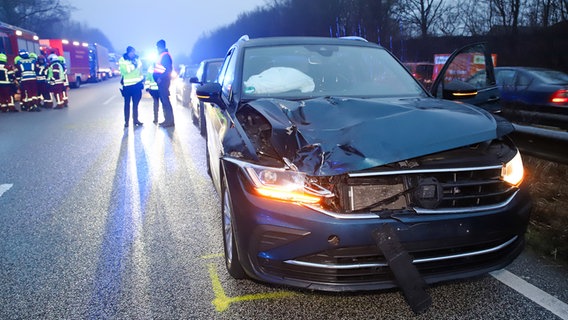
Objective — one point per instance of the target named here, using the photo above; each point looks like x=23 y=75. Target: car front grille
x=426 y=190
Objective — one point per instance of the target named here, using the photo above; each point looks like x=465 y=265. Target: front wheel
x=232 y=262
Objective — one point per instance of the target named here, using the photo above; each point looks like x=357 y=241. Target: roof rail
x=354 y=38
x=244 y=38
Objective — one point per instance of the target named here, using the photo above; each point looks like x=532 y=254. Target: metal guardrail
x=537 y=115
x=542 y=143
x=540 y=131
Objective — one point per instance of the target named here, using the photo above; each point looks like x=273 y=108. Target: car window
x=552 y=76
x=504 y=77
x=226 y=75
x=199 y=73
x=212 y=71
x=468 y=67
x=523 y=79
x=324 y=70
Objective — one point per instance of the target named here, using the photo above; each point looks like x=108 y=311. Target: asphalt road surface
x=102 y=222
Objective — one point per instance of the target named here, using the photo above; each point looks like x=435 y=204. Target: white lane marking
x=4 y=188
x=542 y=298
x=109 y=99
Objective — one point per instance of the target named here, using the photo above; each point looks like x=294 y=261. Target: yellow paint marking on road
x=211 y=256
x=222 y=302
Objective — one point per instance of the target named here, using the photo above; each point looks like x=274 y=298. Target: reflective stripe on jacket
x=150 y=82
x=6 y=75
x=131 y=73
x=56 y=74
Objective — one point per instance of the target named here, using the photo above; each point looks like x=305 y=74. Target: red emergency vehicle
x=76 y=56
x=13 y=38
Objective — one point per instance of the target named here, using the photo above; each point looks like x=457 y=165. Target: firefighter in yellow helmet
x=7 y=79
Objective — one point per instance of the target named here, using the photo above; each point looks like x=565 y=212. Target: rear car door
x=468 y=75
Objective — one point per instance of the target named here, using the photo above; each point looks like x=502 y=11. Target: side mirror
x=194 y=80
x=457 y=89
x=211 y=92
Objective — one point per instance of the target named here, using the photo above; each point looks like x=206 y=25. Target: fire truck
x=85 y=62
x=76 y=56
x=12 y=39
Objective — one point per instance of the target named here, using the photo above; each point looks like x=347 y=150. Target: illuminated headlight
x=513 y=171
x=285 y=185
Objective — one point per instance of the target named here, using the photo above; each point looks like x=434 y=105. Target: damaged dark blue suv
x=332 y=160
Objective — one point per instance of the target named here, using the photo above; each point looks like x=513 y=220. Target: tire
x=78 y=83
x=232 y=262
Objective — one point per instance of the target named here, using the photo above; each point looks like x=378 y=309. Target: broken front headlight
x=284 y=184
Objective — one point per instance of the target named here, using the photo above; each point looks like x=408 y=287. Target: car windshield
x=552 y=76
x=304 y=71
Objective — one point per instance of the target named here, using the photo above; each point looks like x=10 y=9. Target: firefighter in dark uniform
x=56 y=80
x=26 y=75
x=42 y=86
x=162 y=76
x=7 y=79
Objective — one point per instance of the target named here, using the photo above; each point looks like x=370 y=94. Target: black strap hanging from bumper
x=406 y=274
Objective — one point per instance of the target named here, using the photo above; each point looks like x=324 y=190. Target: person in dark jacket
x=162 y=76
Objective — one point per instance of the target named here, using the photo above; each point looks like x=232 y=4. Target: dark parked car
x=332 y=162
x=206 y=72
x=422 y=71
x=532 y=86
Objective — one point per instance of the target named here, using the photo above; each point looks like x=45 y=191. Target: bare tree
x=420 y=15
x=508 y=13
x=28 y=13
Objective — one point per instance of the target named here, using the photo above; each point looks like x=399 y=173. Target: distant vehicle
x=181 y=84
x=77 y=58
x=99 y=63
x=332 y=161
x=422 y=71
x=113 y=61
x=532 y=86
x=13 y=38
x=206 y=72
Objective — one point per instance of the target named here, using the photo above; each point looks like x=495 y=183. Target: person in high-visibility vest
x=7 y=79
x=56 y=80
x=162 y=75
x=132 y=84
x=27 y=77
x=63 y=63
x=152 y=89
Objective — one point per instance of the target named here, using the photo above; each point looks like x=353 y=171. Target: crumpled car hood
x=331 y=136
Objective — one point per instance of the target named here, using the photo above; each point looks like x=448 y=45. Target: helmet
x=52 y=58
x=3 y=58
x=33 y=55
x=24 y=53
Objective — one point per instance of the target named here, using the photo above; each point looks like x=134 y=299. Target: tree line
x=391 y=23
x=51 y=19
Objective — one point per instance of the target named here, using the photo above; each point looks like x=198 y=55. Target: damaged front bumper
x=290 y=244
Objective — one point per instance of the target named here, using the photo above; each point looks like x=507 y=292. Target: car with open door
x=331 y=160
x=468 y=76
x=206 y=72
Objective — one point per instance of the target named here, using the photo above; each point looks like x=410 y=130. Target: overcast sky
x=142 y=23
